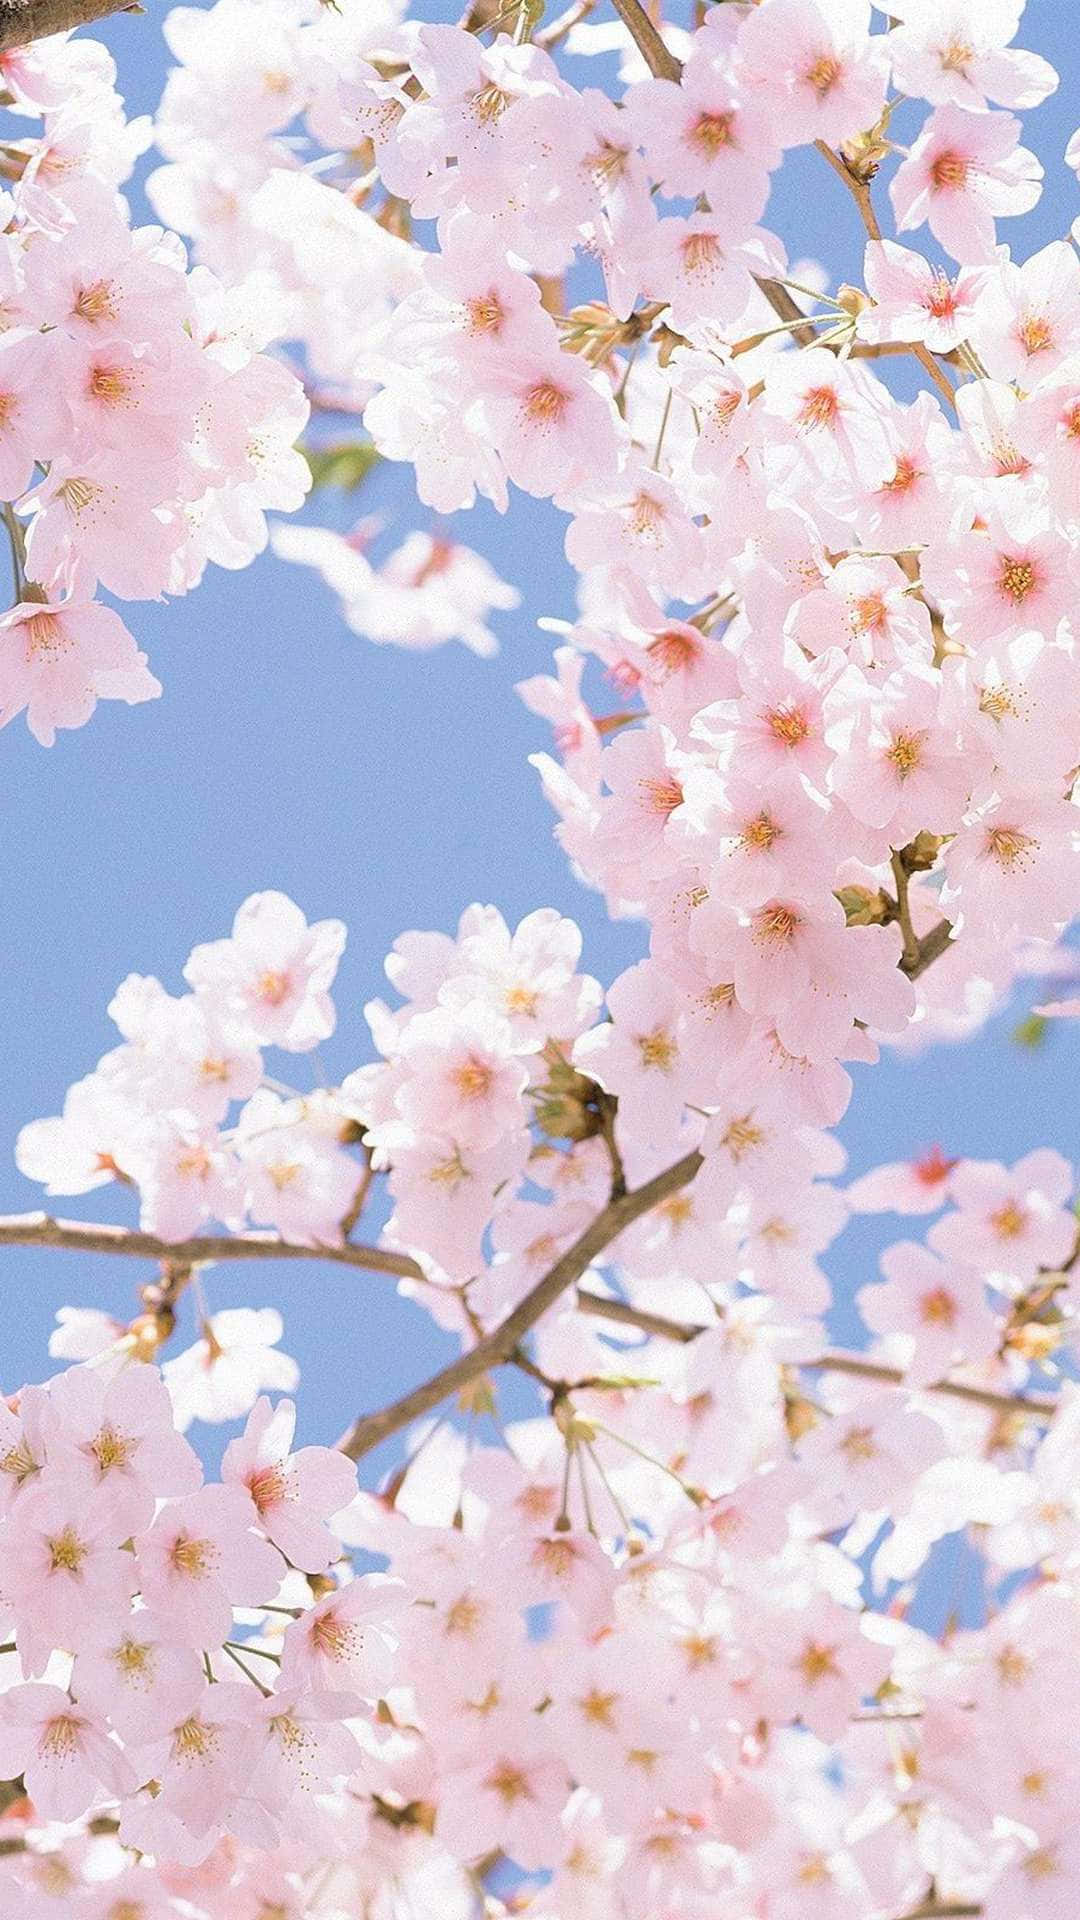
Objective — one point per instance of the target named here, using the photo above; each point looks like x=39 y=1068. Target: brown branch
x=944 y=1910
x=1041 y=1406
x=556 y=32
x=497 y=1347
x=22 y=21
x=787 y=309
x=945 y=387
x=860 y=192
x=39 y=1230
x=628 y=1316
x=912 y=957
x=657 y=57
x=931 y=947
x=359 y=1199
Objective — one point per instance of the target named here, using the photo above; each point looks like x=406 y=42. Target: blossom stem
x=620 y=1511
x=246 y=1670
x=650 y=1459
x=782 y=326
x=785 y=308
x=583 y=1480
x=243 y=1646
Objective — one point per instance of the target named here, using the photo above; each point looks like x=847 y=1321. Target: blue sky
x=389 y=789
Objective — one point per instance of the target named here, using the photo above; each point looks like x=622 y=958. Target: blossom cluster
x=151 y=1113
x=667 y=1651
x=664 y=1646
x=839 y=623
x=142 y=428
x=429 y=590
x=653 y=1691
x=505 y=1096
x=138 y=1707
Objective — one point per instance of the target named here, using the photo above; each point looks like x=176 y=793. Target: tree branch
x=787 y=309
x=860 y=193
x=1039 y=1406
x=931 y=947
x=944 y=1910
x=657 y=57
x=22 y=21
x=912 y=944
x=497 y=1347
x=39 y=1230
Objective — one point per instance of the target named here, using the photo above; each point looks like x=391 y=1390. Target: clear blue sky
x=390 y=789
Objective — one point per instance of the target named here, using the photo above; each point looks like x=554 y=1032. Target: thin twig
x=859 y=189
x=359 y=1199
x=607 y=1107
x=912 y=951
x=931 y=947
x=860 y=192
x=40 y=1230
x=17 y=543
x=556 y=32
x=1039 y=1406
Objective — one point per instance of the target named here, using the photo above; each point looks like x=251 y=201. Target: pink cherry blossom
x=965 y=171
x=199 y=1559
x=916 y=301
x=273 y=978
x=345 y=1643
x=63 y=1750
x=552 y=422
x=940 y=54
x=1010 y=1221
x=819 y=67
x=118 y=1436
x=64 y=1575
x=234 y=1359
x=58 y=659
x=935 y=1312
x=903 y=1186
x=288 y=1491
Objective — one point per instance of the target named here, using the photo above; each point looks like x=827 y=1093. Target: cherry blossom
x=282 y=1484
x=656 y=1632
x=964 y=171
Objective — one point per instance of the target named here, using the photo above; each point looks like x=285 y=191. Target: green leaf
x=345 y=465
x=619 y=1383
x=1031 y=1031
